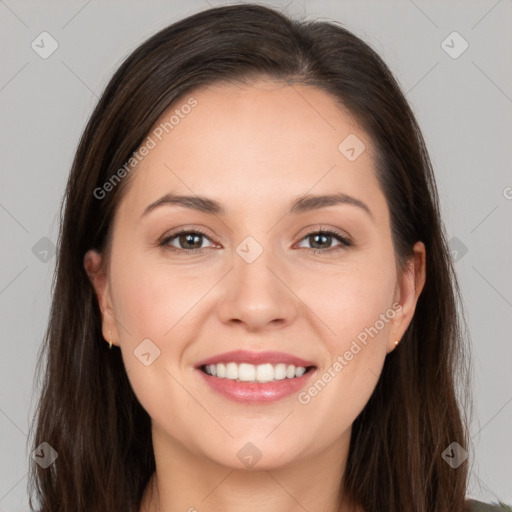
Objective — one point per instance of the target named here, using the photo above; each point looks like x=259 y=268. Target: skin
x=254 y=149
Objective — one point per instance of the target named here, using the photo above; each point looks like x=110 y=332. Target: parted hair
x=87 y=410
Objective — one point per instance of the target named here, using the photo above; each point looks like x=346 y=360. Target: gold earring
x=397 y=342
x=109 y=342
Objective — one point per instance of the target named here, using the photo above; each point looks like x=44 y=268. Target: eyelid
x=345 y=240
x=322 y=228
x=184 y=230
x=330 y=232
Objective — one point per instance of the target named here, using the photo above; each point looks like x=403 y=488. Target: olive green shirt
x=478 y=506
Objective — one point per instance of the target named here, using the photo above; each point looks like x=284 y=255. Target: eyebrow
x=299 y=205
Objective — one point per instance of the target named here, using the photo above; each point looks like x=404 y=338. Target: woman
x=253 y=370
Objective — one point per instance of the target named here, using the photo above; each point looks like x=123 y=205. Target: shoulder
x=479 y=506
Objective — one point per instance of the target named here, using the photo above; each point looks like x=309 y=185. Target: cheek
x=350 y=297
x=150 y=297
x=356 y=304
x=151 y=302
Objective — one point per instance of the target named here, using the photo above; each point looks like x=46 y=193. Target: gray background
x=464 y=106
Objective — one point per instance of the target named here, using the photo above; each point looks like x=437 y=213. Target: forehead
x=265 y=142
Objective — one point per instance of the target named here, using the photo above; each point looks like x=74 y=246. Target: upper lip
x=255 y=358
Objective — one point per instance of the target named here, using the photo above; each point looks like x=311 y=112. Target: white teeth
x=280 y=371
x=299 y=372
x=232 y=371
x=221 y=370
x=245 y=372
x=265 y=373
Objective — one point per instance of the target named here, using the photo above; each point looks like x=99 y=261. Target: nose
x=258 y=294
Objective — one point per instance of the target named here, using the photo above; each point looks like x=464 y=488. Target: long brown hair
x=87 y=411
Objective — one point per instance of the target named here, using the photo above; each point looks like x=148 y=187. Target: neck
x=188 y=482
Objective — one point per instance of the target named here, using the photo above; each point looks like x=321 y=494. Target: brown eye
x=191 y=241
x=187 y=240
x=321 y=241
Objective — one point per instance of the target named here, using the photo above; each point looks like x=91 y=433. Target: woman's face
x=260 y=279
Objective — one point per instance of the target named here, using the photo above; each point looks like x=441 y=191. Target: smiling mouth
x=250 y=373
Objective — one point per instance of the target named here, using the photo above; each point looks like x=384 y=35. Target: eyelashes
x=191 y=236
x=329 y=234
x=182 y=234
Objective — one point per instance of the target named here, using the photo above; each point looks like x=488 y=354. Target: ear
x=409 y=287
x=93 y=264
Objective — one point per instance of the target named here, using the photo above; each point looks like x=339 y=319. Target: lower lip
x=256 y=392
